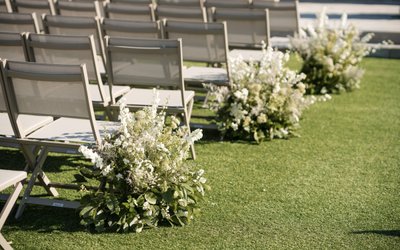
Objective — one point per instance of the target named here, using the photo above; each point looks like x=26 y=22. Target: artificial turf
x=335 y=187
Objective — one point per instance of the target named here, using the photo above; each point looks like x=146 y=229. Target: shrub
x=265 y=99
x=331 y=55
x=145 y=177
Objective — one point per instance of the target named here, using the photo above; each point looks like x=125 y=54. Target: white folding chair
x=202 y=42
x=9 y=178
x=146 y=64
x=53 y=90
x=128 y=11
x=73 y=50
x=28 y=124
x=19 y=22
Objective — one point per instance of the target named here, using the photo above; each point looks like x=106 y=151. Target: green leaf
x=84 y=212
x=151 y=198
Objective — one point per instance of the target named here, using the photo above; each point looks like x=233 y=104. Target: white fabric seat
x=218 y=76
x=170 y=98
x=28 y=123
x=72 y=130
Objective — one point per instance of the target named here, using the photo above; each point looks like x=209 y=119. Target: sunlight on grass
x=335 y=187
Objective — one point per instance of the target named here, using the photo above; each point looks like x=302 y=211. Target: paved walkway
x=367 y=17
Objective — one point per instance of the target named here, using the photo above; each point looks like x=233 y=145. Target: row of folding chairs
x=202 y=42
x=48 y=106
x=283 y=17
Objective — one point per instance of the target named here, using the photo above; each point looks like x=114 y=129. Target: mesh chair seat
x=218 y=76
x=168 y=98
x=72 y=130
x=28 y=123
x=96 y=97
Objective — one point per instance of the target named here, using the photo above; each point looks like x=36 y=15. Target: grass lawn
x=335 y=187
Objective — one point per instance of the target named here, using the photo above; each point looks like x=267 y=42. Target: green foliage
x=336 y=187
x=145 y=179
x=264 y=101
x=331 y=56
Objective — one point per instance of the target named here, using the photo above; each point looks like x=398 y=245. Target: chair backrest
x=76 y=8
x=181 y=3
x=175 y=13
x=18 y=22
x=247 y=28
x=227 y=4
x=70 y=50
x=7 y=128
x=231 y=4
x=137 y=2
x=129 y=11
x=38 y=6
x=283 y=17
x=5 y=6
x=130 y=29
x=48 y=89
x=75 y=26
x=12 y=46
x=144 y=62
x=201 y=42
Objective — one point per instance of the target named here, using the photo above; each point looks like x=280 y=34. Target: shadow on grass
x=43 y=219
x=392 y=233
x=13 y=159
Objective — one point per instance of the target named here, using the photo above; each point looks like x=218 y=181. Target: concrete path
x=367 y=17
x=379 y=17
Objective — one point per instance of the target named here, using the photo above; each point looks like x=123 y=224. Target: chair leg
x=206 y=100
x=6 y=211
x=9 y=204
x=4 y=243
x=30 y=155
x=37 y=170
x=187 y=115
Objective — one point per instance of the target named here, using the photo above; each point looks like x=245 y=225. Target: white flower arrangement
x=145 y=177
x=264 y=101
x=331 y=55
